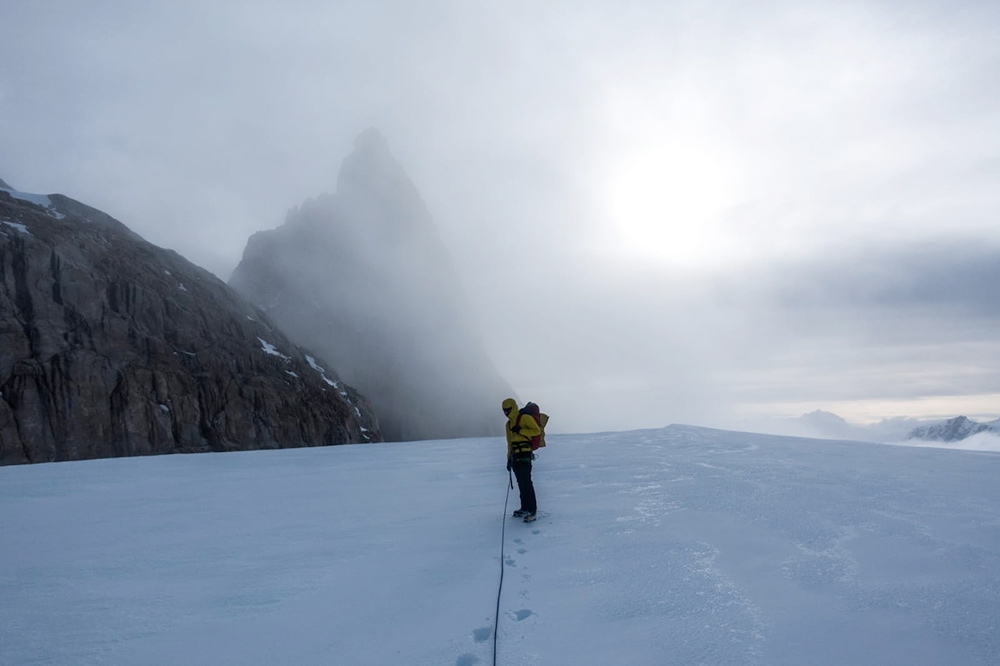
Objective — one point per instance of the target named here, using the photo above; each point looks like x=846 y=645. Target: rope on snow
x=503 y=530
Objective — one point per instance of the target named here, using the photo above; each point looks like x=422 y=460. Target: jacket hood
x=509 y=404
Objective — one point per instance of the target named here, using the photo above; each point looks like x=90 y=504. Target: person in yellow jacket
x=520 y=429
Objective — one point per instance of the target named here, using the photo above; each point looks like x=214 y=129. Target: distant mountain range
x=827 y=425
x=953 y=430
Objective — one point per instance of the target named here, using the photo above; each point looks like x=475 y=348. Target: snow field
x=680 y=546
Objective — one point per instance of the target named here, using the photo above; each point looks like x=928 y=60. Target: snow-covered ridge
x=953 y=430
x=987 y=440
x=826 y=425
x=42 y=200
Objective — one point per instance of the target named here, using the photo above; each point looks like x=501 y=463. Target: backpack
x=538 y=441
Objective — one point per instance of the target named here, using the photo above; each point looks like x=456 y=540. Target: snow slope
x=673 y=546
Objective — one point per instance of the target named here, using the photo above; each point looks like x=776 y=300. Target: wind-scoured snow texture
x=679 y=546
x=363 y=278
x=110 y=346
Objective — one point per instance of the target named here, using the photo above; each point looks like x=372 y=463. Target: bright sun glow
x=667 y=202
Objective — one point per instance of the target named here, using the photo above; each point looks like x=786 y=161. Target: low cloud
x=981 y=442
x=957 y=275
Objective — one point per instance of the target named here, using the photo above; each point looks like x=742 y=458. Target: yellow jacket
x=520 y=429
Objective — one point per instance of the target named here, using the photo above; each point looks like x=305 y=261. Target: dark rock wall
x=110 y=346
x=363 y=277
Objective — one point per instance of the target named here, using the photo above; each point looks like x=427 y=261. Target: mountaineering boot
x=520 y=513
x=529 y=517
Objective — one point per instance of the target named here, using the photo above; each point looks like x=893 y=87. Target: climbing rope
x=503 y=530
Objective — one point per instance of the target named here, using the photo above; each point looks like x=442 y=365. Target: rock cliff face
x=110 y=346
x=363 y=277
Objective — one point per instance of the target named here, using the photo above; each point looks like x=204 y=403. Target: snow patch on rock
x=271 y=350
x=16 y=226
x=315 y=366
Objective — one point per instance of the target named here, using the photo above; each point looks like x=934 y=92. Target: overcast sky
x=719 y=211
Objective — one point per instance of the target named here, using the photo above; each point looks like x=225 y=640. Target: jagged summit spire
x=5 y=185
x=371 y=141
x=374 y=188
x=370 y=160
x=365 y=278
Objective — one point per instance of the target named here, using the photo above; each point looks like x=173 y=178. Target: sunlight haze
x=712 y=211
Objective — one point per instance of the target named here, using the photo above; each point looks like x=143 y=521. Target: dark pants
x=522 y=472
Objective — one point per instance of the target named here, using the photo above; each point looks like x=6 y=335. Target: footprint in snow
x=467 y=660
x=521 y=551
x=511 y=562
x=482 y=634
x=522 y=614
x=536 y=531
x=518 y=541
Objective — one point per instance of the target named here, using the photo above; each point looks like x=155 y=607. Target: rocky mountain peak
x=372 y=143
x=364 y=278
x=370 y=165
x=377 y=196
x=952 y=430
x=824 y=417
x=111 y=346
